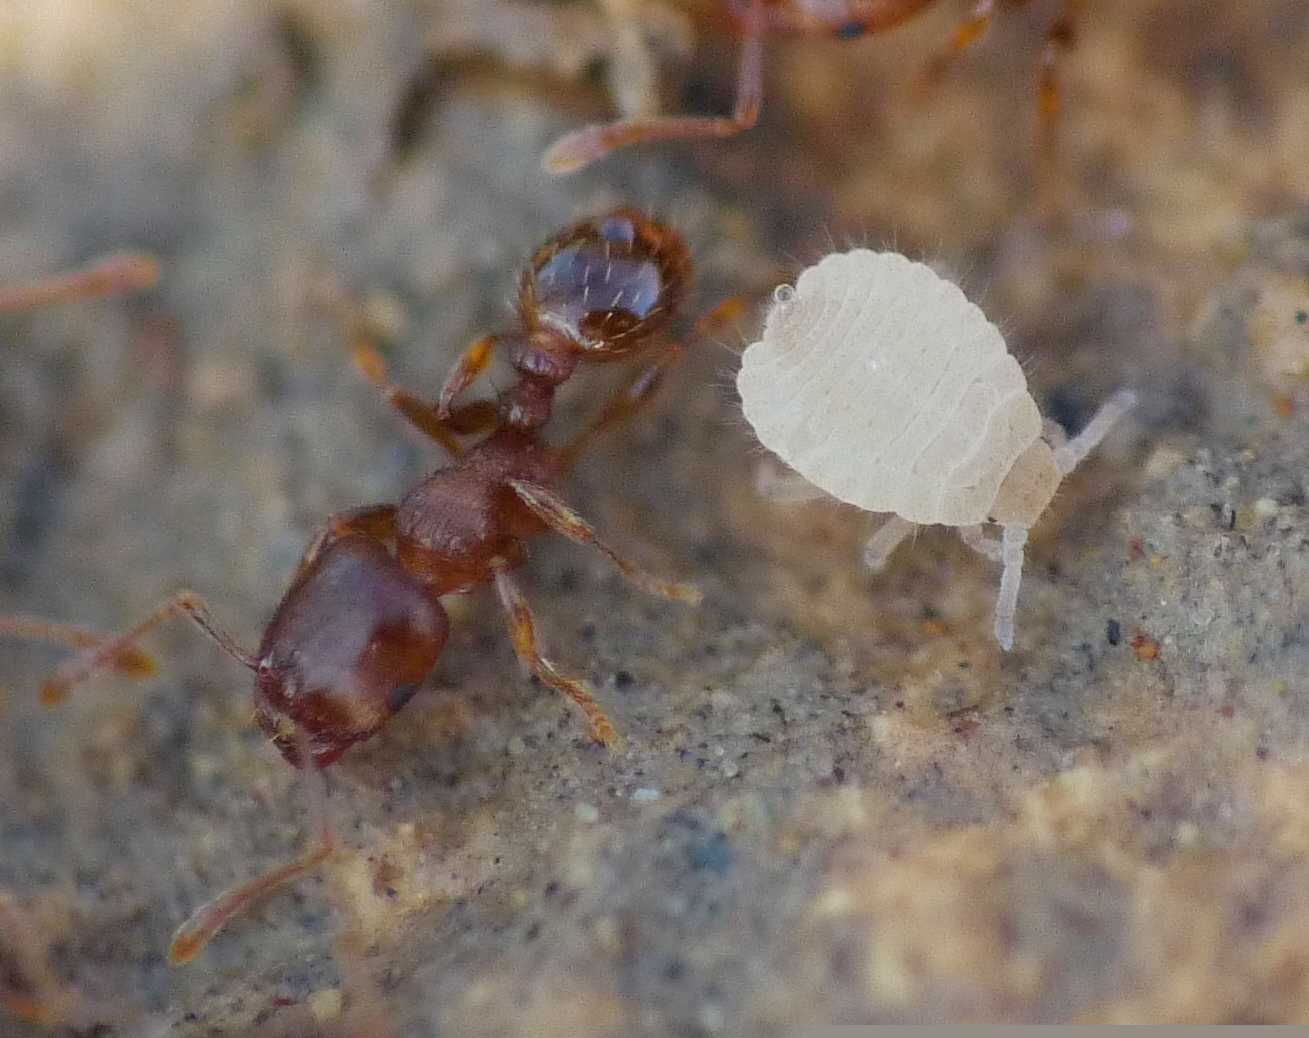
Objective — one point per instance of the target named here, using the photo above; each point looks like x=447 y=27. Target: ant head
x=605 y=286
x=350 y=644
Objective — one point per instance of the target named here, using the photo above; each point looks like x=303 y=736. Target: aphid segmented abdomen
x=878 y=381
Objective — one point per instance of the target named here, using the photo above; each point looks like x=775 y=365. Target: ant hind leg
x=522 y=628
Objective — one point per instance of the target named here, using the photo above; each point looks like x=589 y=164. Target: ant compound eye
x=851 y=31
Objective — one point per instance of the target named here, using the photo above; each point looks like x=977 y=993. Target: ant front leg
x=967 y=33
x=582 y=147
x=552 y=510
x=623 y=405
x=109 y=652
x=522 y=629
x=443 y=426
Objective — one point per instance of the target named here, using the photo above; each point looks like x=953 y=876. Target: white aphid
x=880 y=383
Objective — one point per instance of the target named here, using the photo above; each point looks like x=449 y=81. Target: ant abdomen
x=607 y=284
x=349 y=645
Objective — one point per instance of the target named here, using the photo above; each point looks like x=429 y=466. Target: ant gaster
x=362 y=625
x=843 y=19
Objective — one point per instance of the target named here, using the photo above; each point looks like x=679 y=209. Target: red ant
x=362 y=625
x=844 y=19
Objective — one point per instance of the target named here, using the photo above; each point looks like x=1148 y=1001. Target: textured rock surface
x=837 y=800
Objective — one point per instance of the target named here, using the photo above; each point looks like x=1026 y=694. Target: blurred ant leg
x=968 y=32
x=882 y=544
x=102 y=656
x=522 y=629
x=1060 y=38
x=559 y=517
x=471 y=363
x=190 y=939
x=582 y=147
x=134 y=662
x=111 y=275
x=422 y=415
x=847 y=21
x=626 y=402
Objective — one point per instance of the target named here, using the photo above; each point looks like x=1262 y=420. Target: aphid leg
x=1006 y=602
x=471 y=363
x=375 y=521
x=112 y=275
x=778 y=483
x=190 y=939
x=624 y=404
x=522 y=628
x=102 y=656
x=987 y=547
x=881 y=545
x=422 y=415
x=1070 y=455
x=582 y=147
x=552 y=510
x=1053 y=433
x=134 y=662
x=968 y=32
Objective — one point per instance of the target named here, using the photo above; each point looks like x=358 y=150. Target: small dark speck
x=551 y=888
x=533 y=932
x=1113 y=632
x=1302 y=316
x=899 y=704
x=851 y=31
x=1261 y=752
x=713 y=854
x=623 y=679
x=588 y=632
x=838 y=773
x=760 y=736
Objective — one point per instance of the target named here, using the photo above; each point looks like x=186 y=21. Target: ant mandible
x=844 y=19
x=362 y=624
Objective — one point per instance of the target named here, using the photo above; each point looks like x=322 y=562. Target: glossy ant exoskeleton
x=843 y=19
x=362 y=625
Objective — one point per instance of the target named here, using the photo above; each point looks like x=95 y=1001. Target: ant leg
x=134 y=662
x=522 y=628
x=968 y=32
x=987 y=547
x=1070 y=455
x=1006 y=602
x=190 y=939
x=425 y=417
x=882 y=544
x=582 y=147
x=472 y=362
x=552 y=510
x=625 y=403
x=112 y=275
x=80 y=667
x=1059 y=40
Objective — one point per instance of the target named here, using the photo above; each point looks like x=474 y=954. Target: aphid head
x=605 y=286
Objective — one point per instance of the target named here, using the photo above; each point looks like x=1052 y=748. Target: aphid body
x=881 y=384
